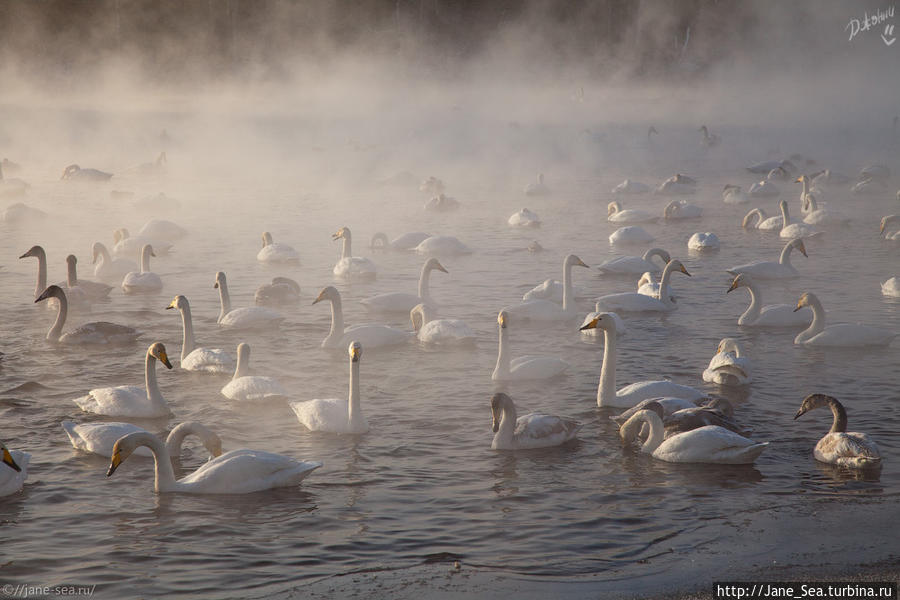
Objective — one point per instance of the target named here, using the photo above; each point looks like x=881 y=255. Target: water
x=423 y=485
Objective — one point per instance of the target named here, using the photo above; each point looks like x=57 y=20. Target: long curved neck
x=813 y=205
x=785 y=214
x=165 y=475
x=805 y=183
x=839 y=425
x=71 y=274
x=176 y=438
x=145 y=260
x=785 y=257
x=424 y=276
x=664 y=294
x=243 y=364
x=753 y=311
x=568 y=293
x=502 y=367
x=105 y=258
x=606 y=389
x=649 y=254
x=354 y=412
x=153 y=393
x=61 y=312
x=346 y=250
x=657 y=430
x=818 y=322
x=42 y=274
x=187 y=340
x=506 y=432
x=224 y=299
x=337 y=318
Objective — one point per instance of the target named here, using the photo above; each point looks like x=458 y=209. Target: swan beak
x=114 y=464
x=591 y=325
x=495 y=426
x=799 y=305
x=880 y=231
x=320 y=297
x=734 y=286
x=152 y=253
x=44 y=295
x=337 y=236
x=800 y=412
x=685 y=271
x=354 y=354
x=8 y=460
x=580 y=263
x=802 y=248
x=441 y=268
x=27 y=254
x=171 y=305
x=164 y=359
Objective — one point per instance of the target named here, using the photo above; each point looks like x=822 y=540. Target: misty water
x=423 y=485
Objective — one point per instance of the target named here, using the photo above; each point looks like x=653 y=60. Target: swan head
x=815 y=401
x=799 y=245
x=343 y=232
x=288 y=282
x=677 y=266
x=670 y=208
x=52 y=291
x=573 y=260
x=95 y=252
x=327 y=293
x=123 y=448
x=503 y=319
x=148 y=249
x=645 y=278
x=604 y=321
x=179 y=302
x=158 y=351
x=729 y=345
x=123 y=234
x=436 y=265
x=71 y=259
x=7 y=458
x=69 y=170
x=613 y=207
x=220 y=280
x=720 y=405
x=355 y=351
x=35 y=251
x=499 y=402
x=740 y=281
x=243 y=353
x=266 y=238
x=806 y=299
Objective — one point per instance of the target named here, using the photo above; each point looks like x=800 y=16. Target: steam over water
x=348 y=146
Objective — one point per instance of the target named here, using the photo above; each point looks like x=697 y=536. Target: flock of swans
x=670 y=421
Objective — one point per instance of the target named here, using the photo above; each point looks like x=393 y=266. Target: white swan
x=109 y=269
x=839 y=446
x=406 y=241
x=631 y=187
x=75 y=173
x=648 y=287
x=676 y=185
x=703 y=241
x=733 y=194
x=93 y=291
x=793 y=230
x=869 y=185
x=728 y=366
x=760 y=221
x=891 y=287
x=783 y=269
x=97 y=332
x=125 y=245
x=162 y=230
x=886 y=224
x=282 y=291
x=76 y=295
x=442 y=245
x=538 y=188
x=805 y=190
x=681 y=209
x=821 y=216
x=764 y=189
x=145 y=282
x=828 y=177
x=709 y=444
x=441 y=203
x=273 y=252
x=616 y=214
x=524 y=218
x=235 y=472
x=353 y=268
x=637 y=302
x=13 y=471
x=439 y=331
x=370 y=336
x=403 y=302
x=336 y=415
x=207 y=360
x=635 y=265
x=630 y=234
x=629 y=395
x=132 y=400
x=773 y=315
x=99 y=438
x=547 y=310
x=249 y=317
x=251 y=388
x=524 y=367
x=534 y=430
x=839 y=334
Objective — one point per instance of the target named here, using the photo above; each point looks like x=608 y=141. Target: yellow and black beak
x=114 y=464
x=338 y=235
x=685 y=271
x=164 y=359
x=734 y=286
x=355 y=354
x=591 y=325
x=320 y=297
x=802 y=248
x=799 y=304
x=171 y=304
x=8 y=460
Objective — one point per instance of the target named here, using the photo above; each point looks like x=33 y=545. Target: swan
x=250 y=388
x=839 y=334
x=766 y=166
x=703 y=241
x=839 y=446
x=805 y=190
x=41 y=256
x=662 y=406
x=793 y=230
x=75 y=173
x=407 y=241
x=773 y=315
x=235 y=472
x=783 y=269
x=97 y=332
x=550 y=289
x=869 y=185
x=336 y=415
x=629 y=395
x=110 y=269
x=709 y=444
x=778 y=174
x=145 y=282
x=886 y=224
x=648 y=287
x=891 y=287
x=616 y=214
x=760 y=221
x=545 y=310
x=717 y=412
x=733 y=194
x=371 y=336
x=538 y=188
x=282 y=291
x=523 y=368
x=829 y=177
x=273 y=252
x=534 y=430
x=19 y=213
x=249 y=317
x=432 y=186
x=99 y=438
x=637 y=302
x=77 y=296
x=403 y=302
x=630 y=234
x=621 y=329
x=132 y=400
x=709 y=140
x=524 y=218
x=635 y=265
x=821 y=216
x=764 y=189
x=677 y=185
x=631 y=187
x=680 y=209
x=880 y=172
x=728 y=366
x=125 y=245
x=439 y=331
x=442 y=245
x=354 y=268
x=162 y=230
x=13 y=471
x=207 y=360
x=441 y=203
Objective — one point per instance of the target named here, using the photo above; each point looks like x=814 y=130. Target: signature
x=868 y=22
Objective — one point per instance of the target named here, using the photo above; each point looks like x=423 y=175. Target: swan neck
x=105 y=258
x=813 y=205
x=785 y=257
x=839 y=425
x=665 y=295
x=337 y=319
x=346 y=249
x=153 y=393
x=424 y=276
x=243 y=364
x=506 y=432
x=753 y=311
x=61 y=312
x=354 y=412
x=71 y=274
x=145 y=260
x=501 y=370
x=162 y=463
x=224 y=299
x=785 y=214
x=567 y=285
x=657 y=431
x=818 y=322
x=42 y=275
x=606 y=389
x=187 y=340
